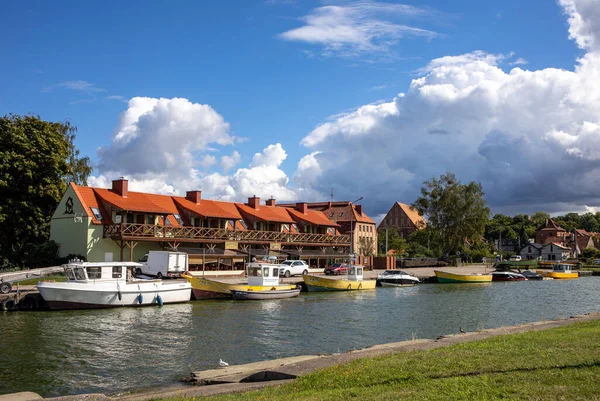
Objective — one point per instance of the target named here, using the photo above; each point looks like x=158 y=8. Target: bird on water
x=222 y=363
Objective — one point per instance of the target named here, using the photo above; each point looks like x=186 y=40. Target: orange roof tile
x=312 y=217
x=88 y=200
x=267 y=213
x=413 y=215
x=136 y=201
x=210 y=208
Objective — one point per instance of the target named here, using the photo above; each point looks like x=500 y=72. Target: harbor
x=126 y=349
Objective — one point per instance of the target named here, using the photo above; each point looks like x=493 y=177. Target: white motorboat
x=396 y=278
x=109 y=284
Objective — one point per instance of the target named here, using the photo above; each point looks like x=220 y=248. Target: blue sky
x=273 y=76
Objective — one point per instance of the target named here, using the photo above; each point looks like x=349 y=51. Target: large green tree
x=456 y=212
x=37 y=161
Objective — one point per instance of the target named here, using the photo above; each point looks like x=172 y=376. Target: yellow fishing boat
x=446 y=277
x=560 y=271
x=261 y=277
x=352 y=283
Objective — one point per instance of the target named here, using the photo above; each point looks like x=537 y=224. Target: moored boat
x=507 y=275
x=108 y=285
x=396 y=278
x=531 y=275
x=447 y=277
x=560 y=271
x=261 y=277
x=353 y=282
x=265 y=295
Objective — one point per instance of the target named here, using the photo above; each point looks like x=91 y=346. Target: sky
x=302 y=100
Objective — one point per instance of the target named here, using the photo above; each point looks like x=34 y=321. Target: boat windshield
x=70 y=274
x=94 y=272
x=79 y=273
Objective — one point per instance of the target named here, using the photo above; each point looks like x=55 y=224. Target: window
x=243 y=223
x=70 y=274
x=94 y=272
x=341 y=214
x=167 y=221
x=178 y=218
x=331 y=231
x=331 y=215
x=96 y=213
x=117 y=271
x=295 y=227
x=265 y=272
x=79 y=274
x=150 y=219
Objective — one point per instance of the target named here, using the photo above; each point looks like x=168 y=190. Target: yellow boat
x=446 y=277
x=261 y=277
x=560 y=271
x=354 y=281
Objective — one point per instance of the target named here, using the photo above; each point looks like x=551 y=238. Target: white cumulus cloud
x=530 y=137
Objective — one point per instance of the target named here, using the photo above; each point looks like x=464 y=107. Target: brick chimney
x=254 y=202
x=194 y=196
x=120 y=186
x=302 y=207
x=270 y=202
x=358 y=209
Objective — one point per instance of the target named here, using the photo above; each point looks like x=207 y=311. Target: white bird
x=222 y=363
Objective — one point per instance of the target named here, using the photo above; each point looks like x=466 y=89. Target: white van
x=163 y=264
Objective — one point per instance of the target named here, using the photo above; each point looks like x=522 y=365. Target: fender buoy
x=140 y=298
x=159 y=300
x=119 y=295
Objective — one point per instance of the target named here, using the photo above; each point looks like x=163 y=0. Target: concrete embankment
x=242 y=378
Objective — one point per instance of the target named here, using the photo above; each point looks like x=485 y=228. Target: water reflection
x=71 y=352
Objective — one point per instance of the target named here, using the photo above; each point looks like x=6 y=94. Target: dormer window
x=331 y=215
x=96 y=213
x=341 y=214
x=178 y=218
x=243 y=223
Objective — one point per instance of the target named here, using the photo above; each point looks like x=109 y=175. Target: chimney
x=120 y=187
x=254 y=202
x=194 y=196
x=358 y=209
x=302 y=207
x=270 y=202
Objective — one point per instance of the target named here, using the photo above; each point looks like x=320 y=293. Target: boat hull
x=110 y=295
x=318 y=284
x=264 y=295
x=204 y=288
x=507 y=276
x=397 y=282
x=558 y=275
x=446 y=277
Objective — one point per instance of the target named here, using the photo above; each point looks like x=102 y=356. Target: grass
x=556 y=364
x=34 y=281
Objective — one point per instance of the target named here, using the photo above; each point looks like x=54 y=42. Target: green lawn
x=556 y=364
x=34 y=281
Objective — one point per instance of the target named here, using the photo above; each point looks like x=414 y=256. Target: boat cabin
x=262 y=274
x=355 y=272
x=105 y=271
x=562 y=268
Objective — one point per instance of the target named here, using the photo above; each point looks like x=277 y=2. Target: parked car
x=337 y=269
x=293 y=268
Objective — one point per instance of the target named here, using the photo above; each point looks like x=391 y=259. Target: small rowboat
x=264 y=295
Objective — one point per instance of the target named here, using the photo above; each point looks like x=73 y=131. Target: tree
x=366 y=246
x=37 y=159
x=455 y=211
x=394 y=241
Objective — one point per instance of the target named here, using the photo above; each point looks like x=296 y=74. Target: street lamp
x=351 y=234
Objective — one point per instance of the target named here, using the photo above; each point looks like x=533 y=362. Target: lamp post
x=351 y=234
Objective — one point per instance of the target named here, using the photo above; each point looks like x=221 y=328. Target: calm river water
x=114 y=350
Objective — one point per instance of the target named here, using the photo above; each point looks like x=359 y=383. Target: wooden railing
x=128 y=231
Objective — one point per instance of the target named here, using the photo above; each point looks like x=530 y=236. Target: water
x=115 y=350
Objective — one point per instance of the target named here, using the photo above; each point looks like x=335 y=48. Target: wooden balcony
x=150 y=232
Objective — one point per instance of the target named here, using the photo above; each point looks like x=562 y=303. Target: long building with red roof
x=103 y=224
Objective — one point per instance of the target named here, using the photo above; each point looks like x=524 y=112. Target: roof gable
x=136 y=201
x=210 y=208
x=312 y=217
x=267 y=213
